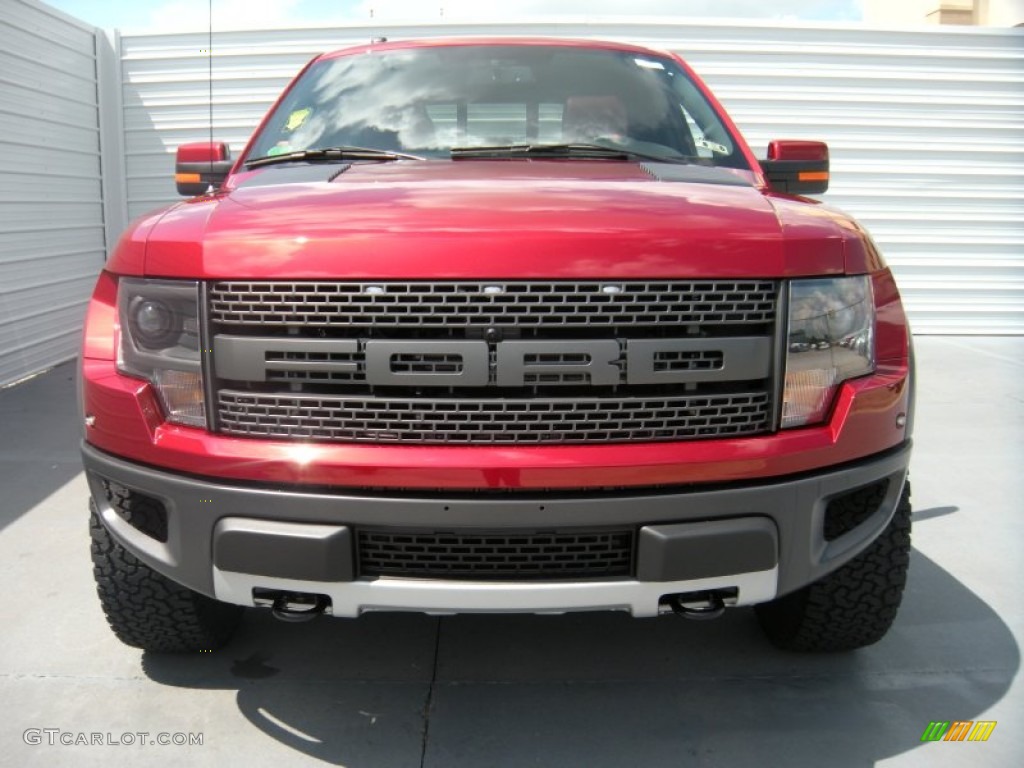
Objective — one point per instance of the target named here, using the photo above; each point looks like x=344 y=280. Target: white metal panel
x=926 y=131
x=926 y=128
x=111 y=115
x=51 y=216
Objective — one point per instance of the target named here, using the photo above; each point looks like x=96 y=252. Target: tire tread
x=852 y=607
x=147 y=610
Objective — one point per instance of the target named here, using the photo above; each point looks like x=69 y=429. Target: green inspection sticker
x=297 y=118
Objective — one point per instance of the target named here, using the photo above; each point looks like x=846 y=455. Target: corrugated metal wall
x=51 y=211
x=926 y=129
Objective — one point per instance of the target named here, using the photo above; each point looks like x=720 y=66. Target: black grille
x=316 y=385
x=492 y=421
x=496 y=555
x=388 y=305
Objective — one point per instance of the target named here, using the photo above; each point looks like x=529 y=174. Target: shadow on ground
x=39 y=428
x=607 y=690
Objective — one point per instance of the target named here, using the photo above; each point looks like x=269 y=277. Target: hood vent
x=693 y=174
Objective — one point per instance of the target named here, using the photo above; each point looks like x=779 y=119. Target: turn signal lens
x=182 y=395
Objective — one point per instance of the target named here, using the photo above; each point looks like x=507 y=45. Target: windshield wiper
x=575 y=150
x=330 y=154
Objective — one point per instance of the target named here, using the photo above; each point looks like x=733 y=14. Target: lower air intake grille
x=529 y=555
x=143 y=513
x=846 y=512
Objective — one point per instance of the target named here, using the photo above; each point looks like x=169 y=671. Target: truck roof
x=448 y=42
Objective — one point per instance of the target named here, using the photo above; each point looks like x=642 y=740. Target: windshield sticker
x=281 y=148
x=297 y=118
x=703 y=143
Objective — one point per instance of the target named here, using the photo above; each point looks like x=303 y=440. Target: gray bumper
x=759 y=539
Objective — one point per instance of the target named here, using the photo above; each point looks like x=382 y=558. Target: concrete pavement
x=585 y=689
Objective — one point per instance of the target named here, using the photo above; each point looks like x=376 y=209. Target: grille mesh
x=492 y=421
x=496 y=554
x=448 y=304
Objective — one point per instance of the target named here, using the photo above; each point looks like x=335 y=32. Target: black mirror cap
x=200 y=165
x=797 y=167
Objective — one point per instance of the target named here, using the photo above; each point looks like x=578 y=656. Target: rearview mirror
x=200 y=165
x=797 y=167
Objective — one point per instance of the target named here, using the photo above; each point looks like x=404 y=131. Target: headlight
x=830 y=338
x=160 y=343
x=153 y=322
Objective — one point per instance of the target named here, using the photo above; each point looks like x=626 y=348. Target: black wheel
x=853 y=606
x=149 y=611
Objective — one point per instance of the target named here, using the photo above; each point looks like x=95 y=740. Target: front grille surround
x=316 y=385
x=522 y=555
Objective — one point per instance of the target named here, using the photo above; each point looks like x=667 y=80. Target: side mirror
x=201 y=165
x=797 y=167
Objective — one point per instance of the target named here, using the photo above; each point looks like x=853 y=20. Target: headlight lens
x=831 y=338
x=153 y=322
x=160 y=343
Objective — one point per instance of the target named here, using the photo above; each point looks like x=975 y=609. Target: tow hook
x=297 y=607
x=701 y=606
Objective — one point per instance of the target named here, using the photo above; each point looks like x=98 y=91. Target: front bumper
x=760 y=539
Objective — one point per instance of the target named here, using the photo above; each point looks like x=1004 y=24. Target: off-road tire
x=853 y=606
x=149 y=611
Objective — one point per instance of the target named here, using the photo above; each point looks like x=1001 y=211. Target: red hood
x=492 y=219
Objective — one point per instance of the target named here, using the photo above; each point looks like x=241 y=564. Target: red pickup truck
x=498 y=325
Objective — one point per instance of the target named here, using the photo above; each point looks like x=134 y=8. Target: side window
x=549 y=122
x=445 y=118
x=495 y=123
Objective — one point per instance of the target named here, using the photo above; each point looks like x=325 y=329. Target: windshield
x=427 y=101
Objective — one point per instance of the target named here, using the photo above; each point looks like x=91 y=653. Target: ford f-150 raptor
x=498 y=325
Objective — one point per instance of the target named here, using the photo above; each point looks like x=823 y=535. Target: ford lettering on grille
x=469 y=363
